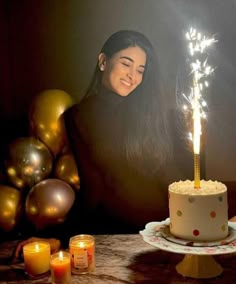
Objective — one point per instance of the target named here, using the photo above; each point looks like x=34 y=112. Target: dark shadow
x=159 y=267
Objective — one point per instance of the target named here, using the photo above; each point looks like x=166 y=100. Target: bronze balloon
x=10 y=207
x=49 y=202
x=45 y=116
x=28 y=162
x=66 y=169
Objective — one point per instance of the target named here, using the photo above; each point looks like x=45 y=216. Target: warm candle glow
x=60 y=268
x=36 y=258
x=60 y=255
x=36 y=247
x=199 y=71
x=82 y=250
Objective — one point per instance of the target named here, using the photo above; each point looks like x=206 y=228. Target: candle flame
x=81 y=244
x=60 y=255
x=37 y=247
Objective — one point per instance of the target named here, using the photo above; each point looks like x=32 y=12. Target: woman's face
x=123 y=72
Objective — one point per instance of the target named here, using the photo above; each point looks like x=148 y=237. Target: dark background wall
x=53 y=44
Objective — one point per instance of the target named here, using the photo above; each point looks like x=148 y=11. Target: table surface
x=123 y=259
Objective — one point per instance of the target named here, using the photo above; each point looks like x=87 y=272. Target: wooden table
x=123 y=259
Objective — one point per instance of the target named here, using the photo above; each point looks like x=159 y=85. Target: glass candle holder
x=36 y=259
x=60 y=268
x=82 y=251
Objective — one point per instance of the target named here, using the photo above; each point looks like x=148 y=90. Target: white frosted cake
x=198 y=214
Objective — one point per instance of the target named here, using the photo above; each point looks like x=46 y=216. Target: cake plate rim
x=153 y=236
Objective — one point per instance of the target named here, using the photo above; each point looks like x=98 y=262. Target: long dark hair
x=146 y=142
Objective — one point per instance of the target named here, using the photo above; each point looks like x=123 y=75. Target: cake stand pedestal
x=199 y=266
x=198 y=261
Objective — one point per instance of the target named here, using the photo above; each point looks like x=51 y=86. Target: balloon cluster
x=40 y=170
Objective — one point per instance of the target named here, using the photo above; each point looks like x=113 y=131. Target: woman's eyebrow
x=130 y=59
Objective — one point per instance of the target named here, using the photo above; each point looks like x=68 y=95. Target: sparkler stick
x=199 y=71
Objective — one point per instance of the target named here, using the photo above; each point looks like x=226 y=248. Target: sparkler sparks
x=200 y=70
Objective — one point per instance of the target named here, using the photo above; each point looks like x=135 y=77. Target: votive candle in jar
x=82 y=251
x=36 y=258
x=60 y=268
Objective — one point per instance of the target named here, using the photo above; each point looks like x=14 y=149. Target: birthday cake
x=198 y=214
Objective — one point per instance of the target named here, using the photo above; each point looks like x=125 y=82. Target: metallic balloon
x=28 y=162
x=10 y=207
x=45 y=116
x=49 y=202
x=65 y=169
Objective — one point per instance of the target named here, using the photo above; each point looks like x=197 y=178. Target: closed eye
x=140 y=71
x=125 y=64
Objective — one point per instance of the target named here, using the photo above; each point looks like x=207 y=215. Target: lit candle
x=197 y=131
x=199 y=71
x=36 y=258
x=60 y=268
x=82 y=251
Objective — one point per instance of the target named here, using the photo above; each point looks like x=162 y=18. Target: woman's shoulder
x=76 y=109
x=83 y=117
x=85 y=104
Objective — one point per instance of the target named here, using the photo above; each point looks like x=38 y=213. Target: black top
x=114 y=196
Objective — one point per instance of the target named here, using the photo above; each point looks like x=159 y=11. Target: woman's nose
x=130 y=73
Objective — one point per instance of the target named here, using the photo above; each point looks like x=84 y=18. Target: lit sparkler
x=200 y=69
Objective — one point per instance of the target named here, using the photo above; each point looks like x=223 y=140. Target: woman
x=119 y=136
x=121 y=142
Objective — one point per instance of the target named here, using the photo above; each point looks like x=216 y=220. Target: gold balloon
x=66 y=169
x=45 y=116
x=49 y=202
x=28 y=162
x=10 y=207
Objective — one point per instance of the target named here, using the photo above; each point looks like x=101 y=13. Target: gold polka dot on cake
x=196 y=232
x=223 y=228
x=213 y=214
x=221 y=198
x=179 y=213
x=191 y=199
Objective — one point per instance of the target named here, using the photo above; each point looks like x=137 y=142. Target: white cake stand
x=198 y=261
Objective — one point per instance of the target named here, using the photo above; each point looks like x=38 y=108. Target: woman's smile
x=126 y=83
